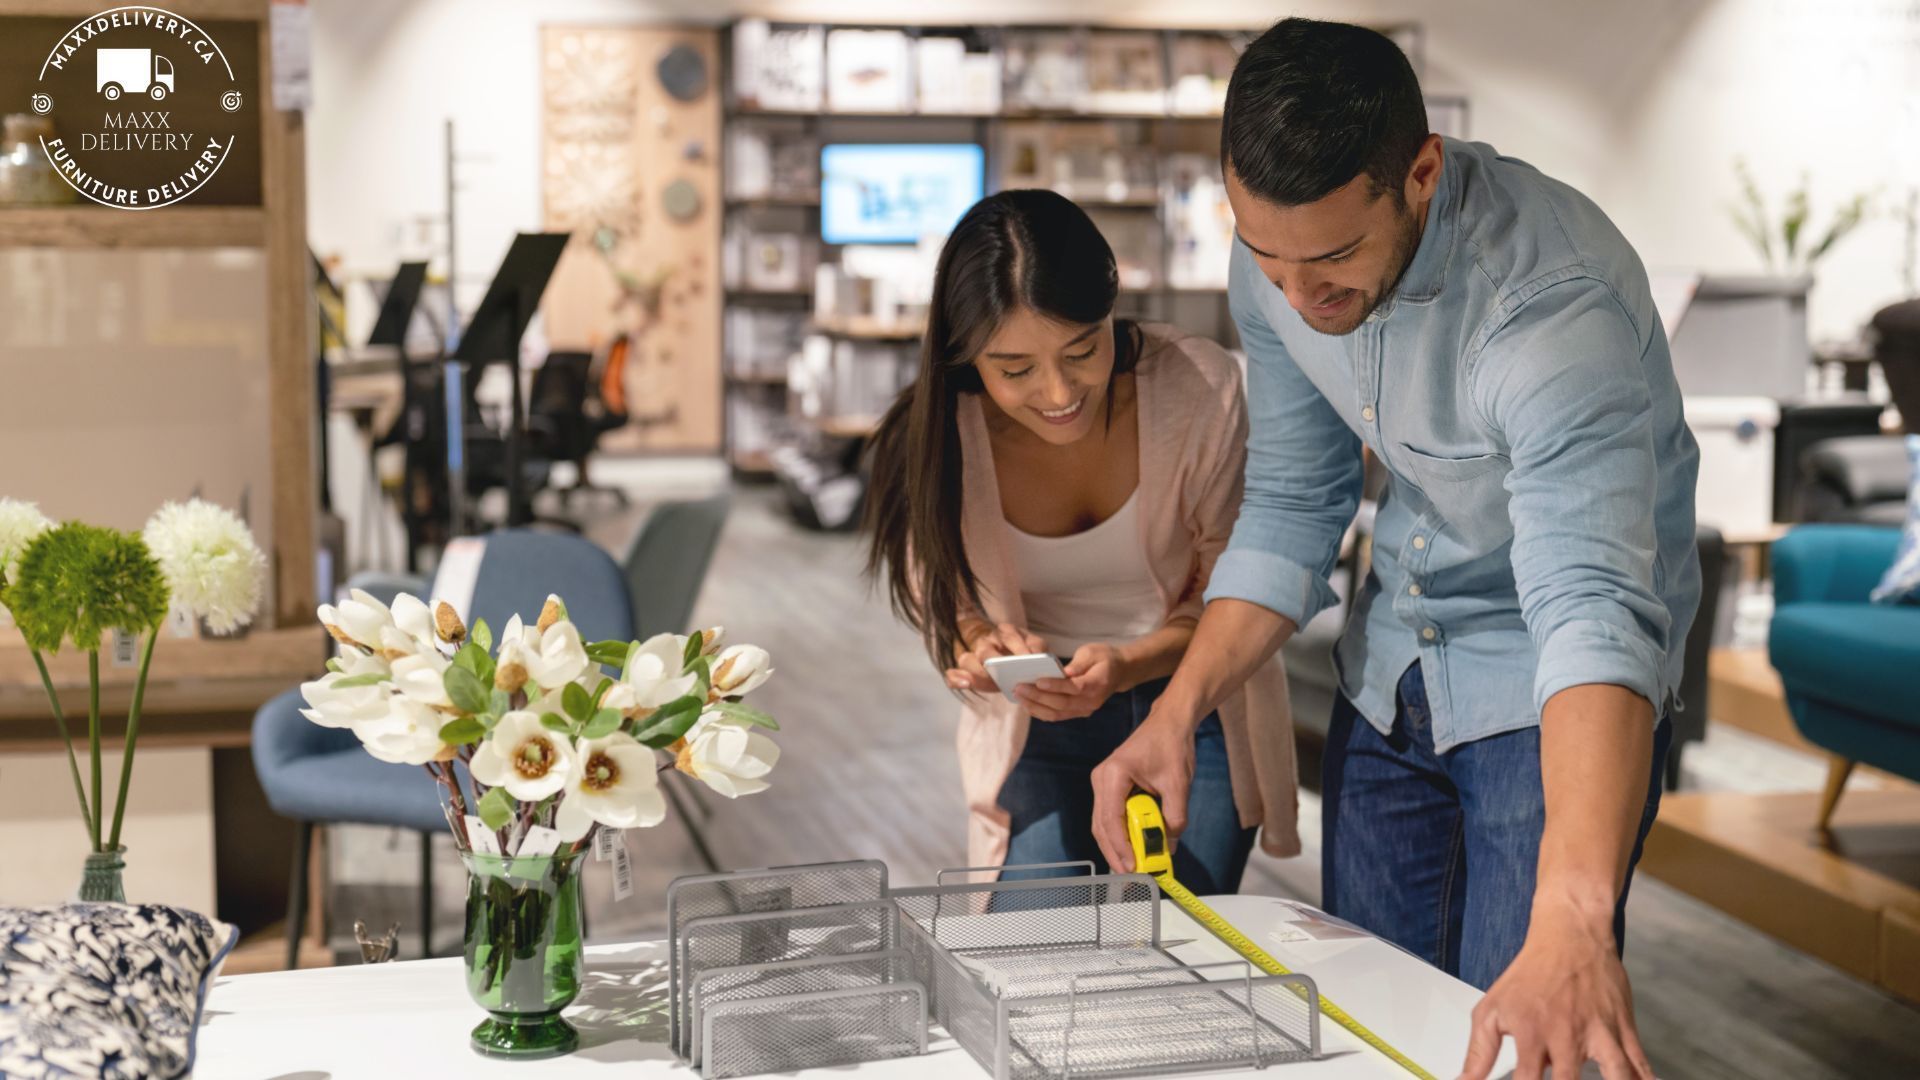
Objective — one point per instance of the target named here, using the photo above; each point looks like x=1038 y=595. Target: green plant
x=1751 y=217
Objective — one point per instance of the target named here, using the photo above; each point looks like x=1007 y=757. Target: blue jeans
x=1049 y=795
x=1437 y=852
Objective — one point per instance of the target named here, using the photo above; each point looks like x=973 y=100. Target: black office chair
x=1690 y=723
x=665 y=566
x=567 y=407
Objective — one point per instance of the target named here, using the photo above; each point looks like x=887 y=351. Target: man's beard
x=1405 y=241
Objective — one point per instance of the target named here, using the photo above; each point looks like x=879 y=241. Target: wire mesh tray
x=1051 y=977
x=1069 y=977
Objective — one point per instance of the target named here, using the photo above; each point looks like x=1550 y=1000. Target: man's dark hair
x=1313 y=105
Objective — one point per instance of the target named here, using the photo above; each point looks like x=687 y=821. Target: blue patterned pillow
x=104 y=990
x=1902 y=583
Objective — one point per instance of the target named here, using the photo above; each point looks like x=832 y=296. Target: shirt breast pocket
x=1469 y=492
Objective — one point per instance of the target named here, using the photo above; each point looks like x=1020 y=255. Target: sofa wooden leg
x=1838 y=769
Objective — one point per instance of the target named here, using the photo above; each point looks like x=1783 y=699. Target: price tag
x=606 y=841
x=125 y=648
x=480 y=838
x=622 y=873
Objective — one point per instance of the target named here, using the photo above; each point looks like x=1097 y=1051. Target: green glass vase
x=100 y=878
x=523 y=952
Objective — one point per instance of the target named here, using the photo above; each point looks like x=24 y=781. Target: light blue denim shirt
x=1537 y=530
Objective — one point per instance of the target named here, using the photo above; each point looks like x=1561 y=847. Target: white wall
x=1642 y=103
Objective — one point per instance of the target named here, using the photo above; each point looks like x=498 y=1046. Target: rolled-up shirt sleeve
x=1564 y=380
x=1303 y=473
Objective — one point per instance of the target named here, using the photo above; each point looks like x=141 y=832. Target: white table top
x=411 y=1019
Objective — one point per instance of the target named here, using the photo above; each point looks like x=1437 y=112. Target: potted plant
x=561 y=742
x=74 y=584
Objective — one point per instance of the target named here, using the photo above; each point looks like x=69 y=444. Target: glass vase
x=523 y=952
x=100 y=878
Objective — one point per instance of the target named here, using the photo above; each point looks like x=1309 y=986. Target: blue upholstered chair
x=318 y=775
x=1847 y=664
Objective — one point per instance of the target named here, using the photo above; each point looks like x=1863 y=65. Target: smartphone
x=1011 y=671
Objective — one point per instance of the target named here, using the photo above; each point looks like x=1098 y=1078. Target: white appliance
x=1736 y=463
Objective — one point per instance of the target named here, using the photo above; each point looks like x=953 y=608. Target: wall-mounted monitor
x=896 y=193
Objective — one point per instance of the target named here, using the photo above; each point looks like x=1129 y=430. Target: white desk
x=411 y=1019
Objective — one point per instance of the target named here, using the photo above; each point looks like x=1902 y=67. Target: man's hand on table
x=1564 y=1000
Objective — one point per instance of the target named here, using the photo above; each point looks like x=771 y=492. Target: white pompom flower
x=20 y=522
x=212 y=565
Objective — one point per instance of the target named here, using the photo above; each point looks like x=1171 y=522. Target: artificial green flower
x=78 y=581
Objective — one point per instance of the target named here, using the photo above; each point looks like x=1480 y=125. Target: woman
x=1058 y=480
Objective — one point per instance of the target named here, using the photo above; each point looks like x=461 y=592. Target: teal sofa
x=1849 y=666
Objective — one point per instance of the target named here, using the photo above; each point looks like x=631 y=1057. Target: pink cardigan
x=1193 y=434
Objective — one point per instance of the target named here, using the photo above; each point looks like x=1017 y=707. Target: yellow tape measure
x=1150 y=856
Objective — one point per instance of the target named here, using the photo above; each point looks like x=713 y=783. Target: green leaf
x=576 y=702
x=373 y=678
x=481 y=634
x=334 y=665
x=603 y=723
x=556 y=722
x=465 y=690
x=669 y=722
x=746 y=714
x=499 y=702
x=600 y=692
x=608 y=652
x=694 y=641
x=626 y=666
x=496 y=808
x=703 y=667
x=464 y=730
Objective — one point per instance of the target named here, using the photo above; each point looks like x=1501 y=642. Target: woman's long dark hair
x=1028 y=249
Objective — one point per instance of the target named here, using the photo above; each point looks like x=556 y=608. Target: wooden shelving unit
x=91 y=226
x=863 y=328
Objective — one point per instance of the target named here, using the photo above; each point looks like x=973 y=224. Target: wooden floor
x=868 y=771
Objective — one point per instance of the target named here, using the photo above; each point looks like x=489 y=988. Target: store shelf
x=770 y=202
x=756 y=379
x=1025 y=114
x=102 y=227
x=845 y=427
x=862 y=328
x=752 y=461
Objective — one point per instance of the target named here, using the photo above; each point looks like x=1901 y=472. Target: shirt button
x=1413 y=590
x=1366 y=414
x=1429 y=633
x=1419 y=543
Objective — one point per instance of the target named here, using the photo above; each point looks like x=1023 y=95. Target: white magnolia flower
x=330 y=707
x=730 y=757
x=20 y=522
x=422 y=678
x=741 y=670
x=615 y=782
x=510 y=665
x=360 y=618
x=559 y=658
x=524 y=757
x=212 y=566
x=409 y=733
x=655 y=674
x=412 y=617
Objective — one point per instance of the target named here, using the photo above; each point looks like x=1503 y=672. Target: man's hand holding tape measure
x=1564 y=999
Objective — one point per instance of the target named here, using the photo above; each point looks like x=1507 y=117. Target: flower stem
x=66 y=736
x=133 y=733
x=93 y=736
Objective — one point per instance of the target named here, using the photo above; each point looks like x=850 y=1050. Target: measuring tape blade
x=1150 y=856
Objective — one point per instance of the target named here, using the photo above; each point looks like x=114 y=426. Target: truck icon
x=132 y=71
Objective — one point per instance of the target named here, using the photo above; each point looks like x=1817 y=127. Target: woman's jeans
x=1049 y=795
x=1436 y=852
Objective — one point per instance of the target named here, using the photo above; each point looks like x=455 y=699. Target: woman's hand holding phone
x=1096 y=673
x=970 y=667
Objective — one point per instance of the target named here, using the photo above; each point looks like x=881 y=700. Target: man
x=1488 y=335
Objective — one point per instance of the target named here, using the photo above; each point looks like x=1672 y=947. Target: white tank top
x=1091 y=586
